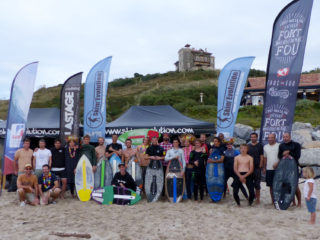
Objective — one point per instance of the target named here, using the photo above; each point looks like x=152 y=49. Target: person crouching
x=48 y=186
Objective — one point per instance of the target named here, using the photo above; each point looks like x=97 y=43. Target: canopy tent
x=164 y=119
x=42 y=122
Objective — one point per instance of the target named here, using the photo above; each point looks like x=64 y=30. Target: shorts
x=257 y=178
x=30 y=197
x=269 y=177
x=60 y=174
x=311 y=205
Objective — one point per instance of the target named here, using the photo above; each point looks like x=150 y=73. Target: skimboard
x=137 y=135
x=285 y=183
x=115 y=195
x=215 y=178
x=153 y=181
x=103 y=176
x=174 y=181
x=114 y=162
x=84 y=179
x=134 y=170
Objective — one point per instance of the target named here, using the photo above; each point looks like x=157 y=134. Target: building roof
x=311 y=80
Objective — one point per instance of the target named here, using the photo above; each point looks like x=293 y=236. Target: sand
x=161 y=220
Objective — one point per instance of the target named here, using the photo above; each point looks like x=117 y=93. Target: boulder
x=313 y=144
x=310 y=157
x=316 y=135
x=302 y=136
x=238 y=142
x=300 y=125
x=242 y=131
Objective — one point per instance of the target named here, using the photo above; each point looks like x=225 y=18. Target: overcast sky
x=70 y=36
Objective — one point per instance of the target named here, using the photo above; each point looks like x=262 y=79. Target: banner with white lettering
x=21 y=95
x=70 y=108
x=95 y=95
x=231 y=83
x=289 y=37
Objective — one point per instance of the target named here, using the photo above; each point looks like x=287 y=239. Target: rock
x=316 y=135
x=238 y=142
x=313 y=144
x=300 y=125
x=302 y=136
x=242 y=131
x=310 y=157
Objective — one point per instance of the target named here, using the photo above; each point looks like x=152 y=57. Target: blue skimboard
x=114 y=162
x=215 y=178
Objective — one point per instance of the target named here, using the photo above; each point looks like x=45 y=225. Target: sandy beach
x=161 y=220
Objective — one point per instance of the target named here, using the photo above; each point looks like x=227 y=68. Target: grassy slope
x=181 y=90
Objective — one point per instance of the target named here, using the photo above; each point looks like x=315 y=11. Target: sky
x=142 y=36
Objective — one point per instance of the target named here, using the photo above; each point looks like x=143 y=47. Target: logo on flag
x=283 y=72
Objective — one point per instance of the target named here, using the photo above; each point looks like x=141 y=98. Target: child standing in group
x=309 y=193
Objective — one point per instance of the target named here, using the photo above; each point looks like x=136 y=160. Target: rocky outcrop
x=310 y=156
x=242 y=131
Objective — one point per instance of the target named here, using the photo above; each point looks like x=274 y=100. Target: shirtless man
x=100 y=149
x=243 y=168
x=128 y=153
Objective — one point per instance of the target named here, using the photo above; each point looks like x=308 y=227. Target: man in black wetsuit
x=291 y=149
x=124 y=179
x=255 y=150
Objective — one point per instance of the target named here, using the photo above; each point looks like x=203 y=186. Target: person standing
x=48 y=186
x=58 y=166
x=114 y=147
x=72 y=157
x=229 y=154
x=27 y=184
x=22 y=157
x=42 y=156
x=198 y=158
x=256 y=152
x=89 y=151
x=270 y=153
x=309 y=190
x=291 y=149
x=176 y=153
x=166 y=145
x=100 y=149
x=189 y=167
x=203 y=140
x=243 y=168
x=143 y=159
x=155 y=153
x=128 y=153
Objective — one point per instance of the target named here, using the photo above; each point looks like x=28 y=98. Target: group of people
x=244 y=166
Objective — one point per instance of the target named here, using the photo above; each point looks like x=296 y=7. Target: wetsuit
x=228 y=169
x=199 y=172
x=237 y=184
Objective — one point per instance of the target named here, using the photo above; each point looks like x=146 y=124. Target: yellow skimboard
x=84 y=179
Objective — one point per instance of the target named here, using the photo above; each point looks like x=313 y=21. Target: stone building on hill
x=191 y=59
x=309 y=88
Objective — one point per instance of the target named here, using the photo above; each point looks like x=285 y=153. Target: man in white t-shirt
x=270 y=154
x=42 y=156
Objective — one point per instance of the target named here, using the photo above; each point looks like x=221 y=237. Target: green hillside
x=180 y=90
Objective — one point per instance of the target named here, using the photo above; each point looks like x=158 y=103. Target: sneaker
x=53 y=202
x=22 y=204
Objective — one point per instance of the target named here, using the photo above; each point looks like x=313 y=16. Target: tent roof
x=157 y=116
x=41 y=119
